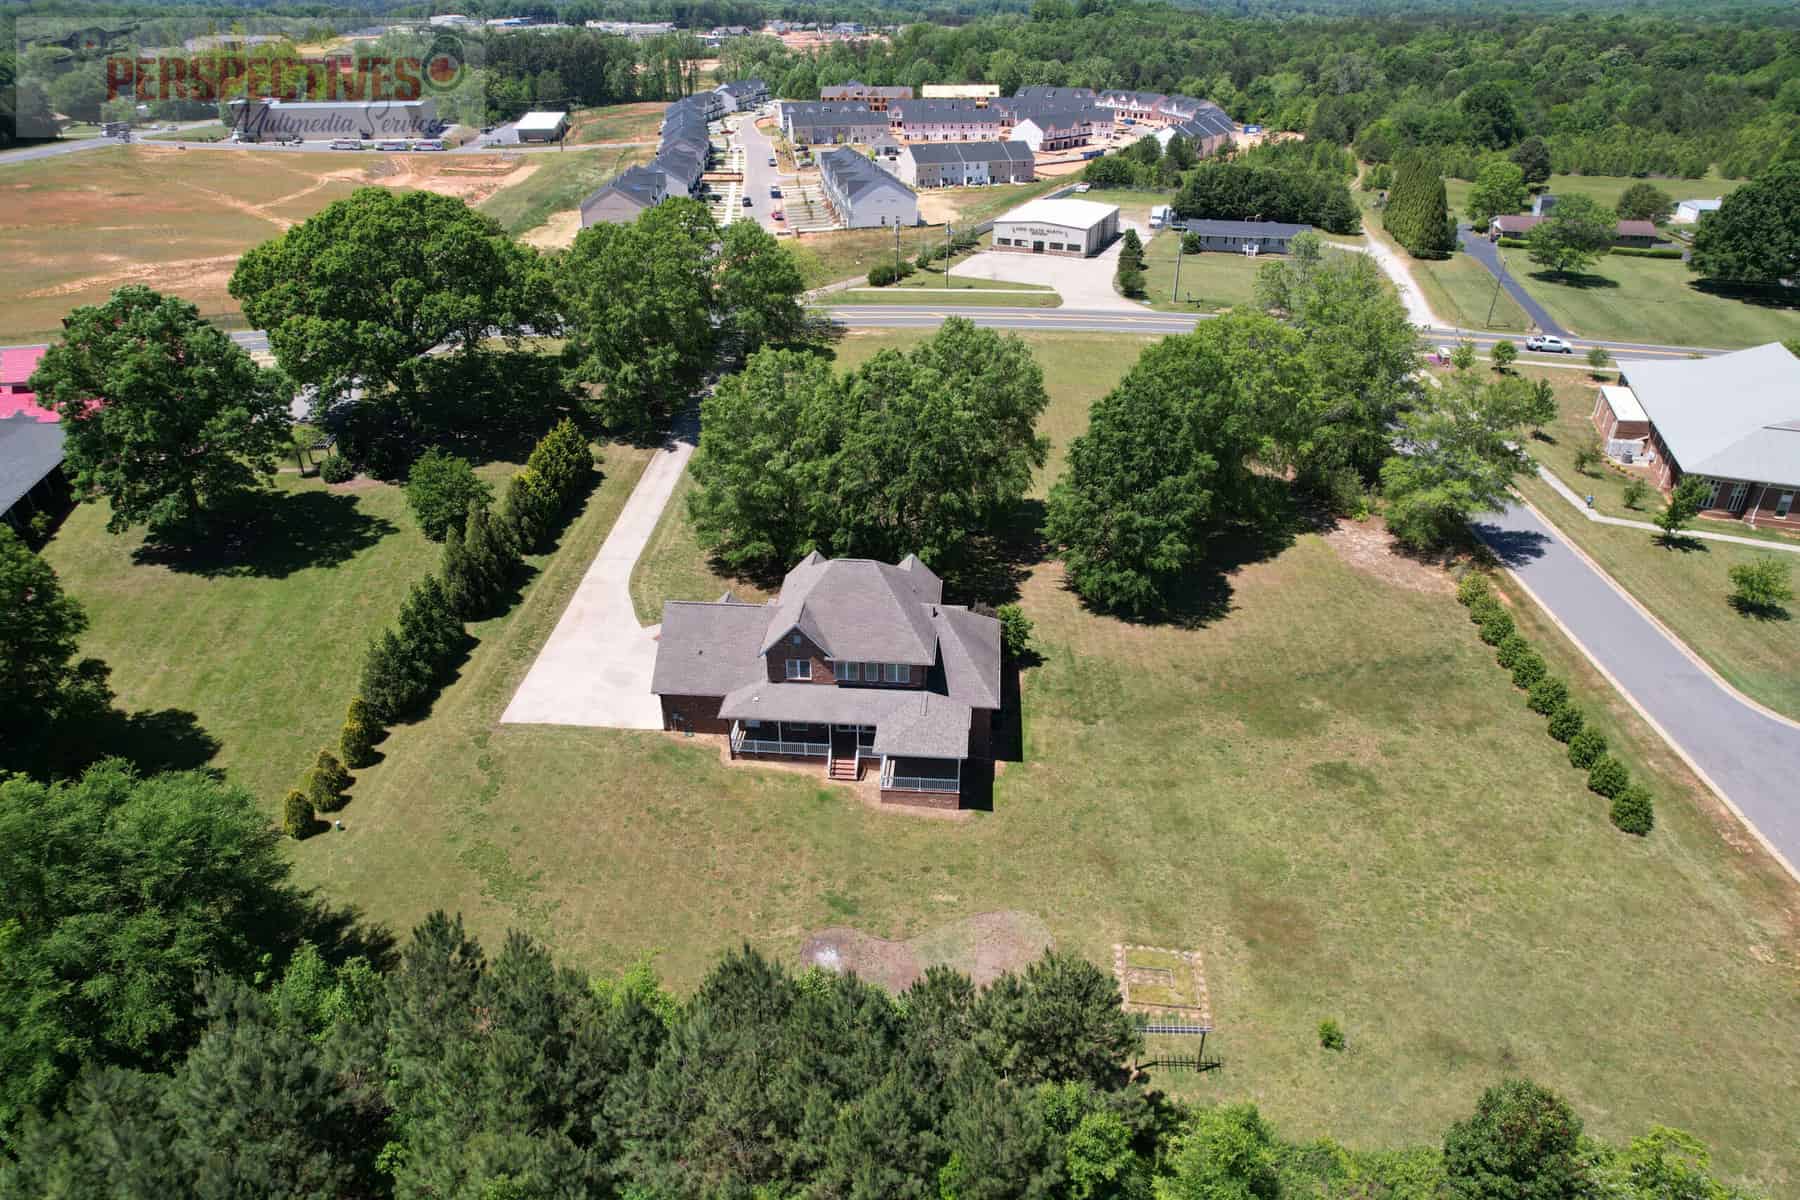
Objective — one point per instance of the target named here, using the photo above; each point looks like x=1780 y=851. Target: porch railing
x=892 y=782
x=743 y=743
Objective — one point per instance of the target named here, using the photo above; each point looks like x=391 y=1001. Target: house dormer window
x=799 y=668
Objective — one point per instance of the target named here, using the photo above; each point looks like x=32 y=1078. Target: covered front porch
x=845 y=749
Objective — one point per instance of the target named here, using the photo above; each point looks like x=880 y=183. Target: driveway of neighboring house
x=1394 y=264
x=1082 y=282
x=1749 y=755
x=595 y=668
x=1488 y=255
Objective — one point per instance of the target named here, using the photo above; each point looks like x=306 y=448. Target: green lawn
x=1462 y=291
x=953 y=296
x=1652 y=300
x=1134 y=204
x=1209 y=282
x=560 y=183
x=841 y=254
x=1322 y=783
x=1686 y=589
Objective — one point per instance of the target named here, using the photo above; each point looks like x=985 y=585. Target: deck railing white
x=742 y=743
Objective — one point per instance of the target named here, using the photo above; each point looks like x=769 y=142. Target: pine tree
x=1131 y=252
x=479 y=570
x=357 y=741
x=393 y=681
x=326 y=782
x=464 y=585
x=429 y=631
x=297 y=817
x=1418 y=210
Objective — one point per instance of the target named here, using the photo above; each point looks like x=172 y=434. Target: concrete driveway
x=1082 y=282
x=595 y=668
x=1749 y=756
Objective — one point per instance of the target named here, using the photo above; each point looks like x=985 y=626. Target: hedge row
x=884 y=273
x=404 y=666
x=1632 y=810
x=1647 y=251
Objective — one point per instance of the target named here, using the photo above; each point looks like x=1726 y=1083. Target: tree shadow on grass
x=281 y=533
x=1583 y=280
x=990 y=567
x=1763 y=295
x=1761 y=612
x=1682 y=542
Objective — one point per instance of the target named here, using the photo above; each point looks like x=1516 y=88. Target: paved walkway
x=1749 y=756
x=1488 y=255
x=595 y=668
x=1580 y=505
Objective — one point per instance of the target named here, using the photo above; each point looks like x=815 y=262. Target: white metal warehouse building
x=1074 y=227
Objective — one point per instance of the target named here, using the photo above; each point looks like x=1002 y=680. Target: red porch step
x=843 y=768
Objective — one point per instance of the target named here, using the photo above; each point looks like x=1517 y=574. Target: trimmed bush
x=1331 y=1036
x=1015 y=631
x=1472 y=587
x=326 y=782
x=1547 y=695
x=440 y=489
x=1646 y=251
x=1608 y=777
x=357 y=740
x=1587 y=748
x=297 y=816
x=1511 y=649
x=1483 y=607
x=335 y=468
x=1566 y=722
x=1632 y=810
x=1515 y=243
x=1497 y=628
x=1528 y=669
x=882 y=274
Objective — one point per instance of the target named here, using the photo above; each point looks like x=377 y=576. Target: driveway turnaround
x=1488 y=255
x=595 y=668
x=1749 y=756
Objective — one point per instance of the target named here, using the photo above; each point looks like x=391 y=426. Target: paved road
x=78 y=145
x=595 y=668
x=1751 y=757
x=759 y=176
x=1488 y=255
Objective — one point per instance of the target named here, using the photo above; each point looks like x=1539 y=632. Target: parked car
x=747 y=202
x=779 y=215
x=429 y=144
x=346 y=144
x=290 y=139
x=1547 y=344
x=1082 y=187
x=771 y=160
x=390 y=144
x=774 y=192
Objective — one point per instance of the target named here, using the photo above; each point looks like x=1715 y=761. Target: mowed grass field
x=73 y=228
x=1461 y=291
x=618 y=122
x=1654 y=300
x=552 y=193
x=1603 y=189
x=1325 y=786
x=1688 y=589
x=1209 y=281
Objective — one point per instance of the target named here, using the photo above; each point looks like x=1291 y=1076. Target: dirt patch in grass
x=984 y=947
x=558 y=233
x=1367 y=546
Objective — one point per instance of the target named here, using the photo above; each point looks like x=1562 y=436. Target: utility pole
x=1175 y=292
x=896 y=249
x=949 y=229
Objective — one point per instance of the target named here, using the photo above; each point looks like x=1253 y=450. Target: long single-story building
x=862 y=194
x=1074 y=227
x=542 y=126
x=1641 y=234
x=965 y=164
x=31 y=444
x=317 y=120
x=1733 y=420
x=1245 y=237
x=857 y=666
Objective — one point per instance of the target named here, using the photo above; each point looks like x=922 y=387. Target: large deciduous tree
x=912 y=453
x=41 y=683
x=1533 y=157
x=1499 y=188
x=1361 y=347
x=1577 y=232
x=118 y=894
x=1168 y=457
x=759 y=288
x=1755 y=235
x=1521 y=1143
x=639 y=301
x=1493 y=117
x=1458 y=455
x=166 y=417
x=1644 y=202
x=358 y=294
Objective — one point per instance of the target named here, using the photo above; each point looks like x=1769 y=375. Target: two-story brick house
x=858 y=664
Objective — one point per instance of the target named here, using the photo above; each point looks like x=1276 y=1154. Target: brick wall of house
x=777 y=659
x=1608 y=425
x=1764 y=513
x=698 y=713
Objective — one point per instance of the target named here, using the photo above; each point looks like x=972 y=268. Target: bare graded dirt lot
x=76 y=227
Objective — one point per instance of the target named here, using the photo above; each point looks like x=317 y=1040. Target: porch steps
x=844 y=769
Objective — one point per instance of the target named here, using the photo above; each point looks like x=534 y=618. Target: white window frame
x=1740 y=492
x=799 y=668
x=846 y=672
